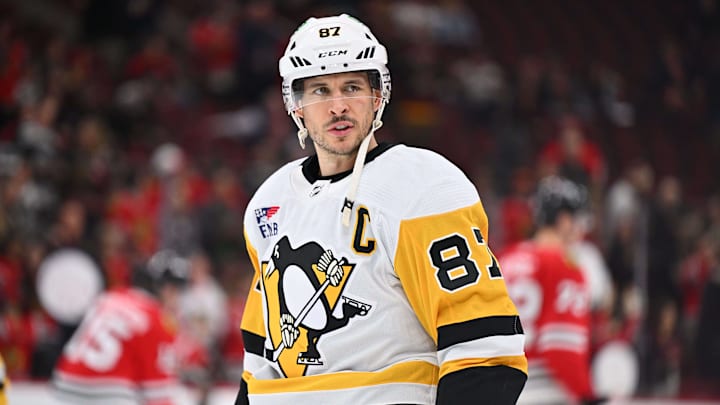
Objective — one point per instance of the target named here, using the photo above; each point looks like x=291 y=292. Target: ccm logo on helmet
x=333 y=53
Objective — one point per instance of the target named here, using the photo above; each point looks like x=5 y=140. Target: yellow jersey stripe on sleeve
x=518 y=362
x=252 y=320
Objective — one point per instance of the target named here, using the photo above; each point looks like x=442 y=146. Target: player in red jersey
x=122 y=352
x=553 y=299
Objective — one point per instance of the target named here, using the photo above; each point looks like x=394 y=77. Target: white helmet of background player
x=328 y=45
x=555 y=195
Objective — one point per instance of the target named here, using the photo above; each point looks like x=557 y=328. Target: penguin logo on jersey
x=303 y=288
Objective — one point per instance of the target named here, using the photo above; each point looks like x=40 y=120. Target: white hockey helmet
x=328 y=45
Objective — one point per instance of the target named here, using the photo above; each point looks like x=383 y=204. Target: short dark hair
x=556 y=195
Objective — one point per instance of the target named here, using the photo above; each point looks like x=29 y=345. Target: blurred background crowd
x=130 y=126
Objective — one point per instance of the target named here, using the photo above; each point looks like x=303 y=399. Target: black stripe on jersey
x=502 y=384
x=254 y=344
x=242 y=396
x=455 y=333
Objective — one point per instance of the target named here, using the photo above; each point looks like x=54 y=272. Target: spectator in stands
x=695 y=271
x=203 y=314
x=258 y=36
x=184 y=190
x=221 y=216
x=153 y=60
x=481 y=82
x=707 y=345
x=665 y=350
x=515 y=208
x=625 y=222
x=204 y=303
x=666 y=212
x=213 y=48
x=115 y=255
x=572 y=155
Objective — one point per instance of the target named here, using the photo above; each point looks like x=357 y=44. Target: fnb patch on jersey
x=263 y=215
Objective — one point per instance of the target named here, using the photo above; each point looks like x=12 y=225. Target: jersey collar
x=311 y=167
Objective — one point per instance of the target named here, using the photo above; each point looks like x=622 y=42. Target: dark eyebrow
x=316 y=84
x=355 y=81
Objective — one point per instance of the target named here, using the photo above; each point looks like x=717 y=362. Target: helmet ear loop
x=377 y=122
x=302 y=132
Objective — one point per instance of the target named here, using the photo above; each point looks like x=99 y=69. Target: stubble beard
x=340 y=150
x=348 y=149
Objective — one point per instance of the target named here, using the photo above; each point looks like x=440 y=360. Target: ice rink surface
x=35 y=393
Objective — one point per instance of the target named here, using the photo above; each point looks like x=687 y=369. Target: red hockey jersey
x=553 y=300
x=121 y=352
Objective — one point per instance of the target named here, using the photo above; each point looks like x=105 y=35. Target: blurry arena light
x=68 y=281
x=615 y=370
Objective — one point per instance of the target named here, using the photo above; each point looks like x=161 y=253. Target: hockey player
x=374 y=282
x=122 y=352
x=553 y=298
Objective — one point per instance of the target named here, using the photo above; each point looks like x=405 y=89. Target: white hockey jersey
x=420 y=293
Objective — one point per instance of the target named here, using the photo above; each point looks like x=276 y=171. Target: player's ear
x=299 y=113
x=377 y=100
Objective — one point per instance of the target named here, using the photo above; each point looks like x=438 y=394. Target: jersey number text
x=455 y=268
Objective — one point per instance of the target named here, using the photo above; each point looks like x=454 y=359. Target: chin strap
x=355 y=178
x=358 y=167
x=302 y=132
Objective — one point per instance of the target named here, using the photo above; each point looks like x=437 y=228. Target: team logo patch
x=304 y=295
x=265 y=225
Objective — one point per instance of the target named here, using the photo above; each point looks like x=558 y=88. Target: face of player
x=338 y=111
x=566 y=227
x=169 y=295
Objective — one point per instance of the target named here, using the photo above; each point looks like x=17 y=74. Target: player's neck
x=331 y=164
x=549 y=238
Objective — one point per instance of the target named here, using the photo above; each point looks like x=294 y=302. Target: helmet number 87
x=450 y=256
x=329 y=32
